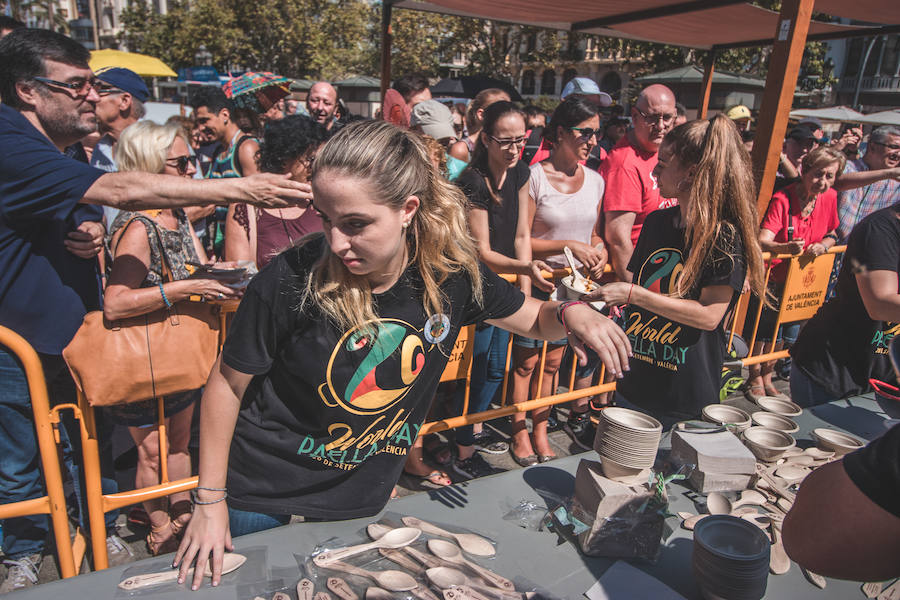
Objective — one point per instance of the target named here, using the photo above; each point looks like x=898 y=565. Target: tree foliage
x=325 y=39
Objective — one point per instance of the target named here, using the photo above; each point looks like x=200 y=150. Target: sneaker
x=486 y=442
x=22 y=573
x=581 y=430
x=473 y=467
x=118 y=551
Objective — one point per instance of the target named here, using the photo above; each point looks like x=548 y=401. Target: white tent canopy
x=887 y=117
x=836 y=114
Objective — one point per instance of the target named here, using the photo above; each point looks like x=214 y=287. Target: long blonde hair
x=723 y=195
x=395 y=164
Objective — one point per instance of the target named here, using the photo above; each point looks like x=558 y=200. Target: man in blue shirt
x=49 y=95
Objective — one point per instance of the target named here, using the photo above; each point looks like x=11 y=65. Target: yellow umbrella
x=143 y=65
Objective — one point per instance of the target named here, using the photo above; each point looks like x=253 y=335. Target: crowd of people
x=377 y=241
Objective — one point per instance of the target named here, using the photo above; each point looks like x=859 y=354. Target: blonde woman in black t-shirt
x=334 y=355
x=688 y=270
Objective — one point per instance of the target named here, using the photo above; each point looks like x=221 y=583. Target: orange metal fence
x=459 y=368
x=54 y=503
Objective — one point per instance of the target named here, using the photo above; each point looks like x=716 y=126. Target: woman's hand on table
x=816 y=249
x=614 y=294
x=589 y=328
x=206 y=539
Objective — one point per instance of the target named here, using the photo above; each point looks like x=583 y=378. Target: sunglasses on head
x=180 y=163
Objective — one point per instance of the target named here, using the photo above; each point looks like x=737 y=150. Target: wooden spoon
x=718 y=504
x=779 y=563
x=445 y=577
x=814 y=578
x=395 y=581
x=395 y=538
x=429 y=561
x=377 y=530
x=749 y=497
x=376 y=593
x=305 y=589
x=230 y=562
x=691 y=521
x=423 y=593
x=341 y=589
x=451 y=553
x=469 y=542
x=280 y=596
x=403 y=560
x=322 y=596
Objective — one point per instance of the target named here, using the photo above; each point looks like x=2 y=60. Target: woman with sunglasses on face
x=137 y=286
x=338 y=346
x=496 y=186
x=288 y=146
x=688 y=270
x=563 y=203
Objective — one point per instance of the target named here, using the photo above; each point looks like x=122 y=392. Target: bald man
x=322 y=102
x=631 y=190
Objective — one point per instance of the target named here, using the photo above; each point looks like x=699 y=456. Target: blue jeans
x=20 y=463
x=488 y=367
x=806 y=392
x=242 y=522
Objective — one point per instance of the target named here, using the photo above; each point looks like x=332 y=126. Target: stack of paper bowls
x=731 y=558
x=626 y=441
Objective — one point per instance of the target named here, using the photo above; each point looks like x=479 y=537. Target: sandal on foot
x=435 y=479
x=178 y=509
x=542 y=458
x=523 y=461
x=754 y=393
x=157 y=547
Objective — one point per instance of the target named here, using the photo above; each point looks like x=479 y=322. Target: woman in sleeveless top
x=136 y=287
x=564 y=199
x=289 y=146
x=465 y=148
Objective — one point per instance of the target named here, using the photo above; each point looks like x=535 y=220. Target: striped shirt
x=856 y=204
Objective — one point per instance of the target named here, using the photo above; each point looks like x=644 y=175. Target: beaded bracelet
x=164 y=297
x=561 y=312
x=199 y=502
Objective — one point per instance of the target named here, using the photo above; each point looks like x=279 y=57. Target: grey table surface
x=278 y=558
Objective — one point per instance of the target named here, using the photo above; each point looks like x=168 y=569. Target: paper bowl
x=722 y=414
x=767 y=444
x=837 y=441
x=774 y=421
x=570 y=290
x=778 y=406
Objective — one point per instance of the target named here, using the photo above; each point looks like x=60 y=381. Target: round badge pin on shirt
x=437 y=328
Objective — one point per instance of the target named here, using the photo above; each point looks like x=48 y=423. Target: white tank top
x=564 y=216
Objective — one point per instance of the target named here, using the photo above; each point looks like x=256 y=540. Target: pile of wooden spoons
x=445 y=566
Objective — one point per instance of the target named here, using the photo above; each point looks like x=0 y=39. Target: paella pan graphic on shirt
x=386 y=355
x=661 y=270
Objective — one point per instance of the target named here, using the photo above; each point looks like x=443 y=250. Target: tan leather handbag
x=167 y=351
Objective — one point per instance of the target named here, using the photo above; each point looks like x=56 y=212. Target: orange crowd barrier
x=54 y=503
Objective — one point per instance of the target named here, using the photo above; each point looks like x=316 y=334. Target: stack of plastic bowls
x=627 y=442
x=731 y=558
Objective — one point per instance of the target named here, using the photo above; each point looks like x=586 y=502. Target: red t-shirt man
x=811 y=229
x=630 y=185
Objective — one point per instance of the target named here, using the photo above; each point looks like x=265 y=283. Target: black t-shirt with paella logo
x=329 y=416
x=841 y=347
x=676 y=369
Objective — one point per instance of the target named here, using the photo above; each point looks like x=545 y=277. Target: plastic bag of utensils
x=404 y=557
x=620 y=520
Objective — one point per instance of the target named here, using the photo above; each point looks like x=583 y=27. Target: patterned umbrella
x=257 y=90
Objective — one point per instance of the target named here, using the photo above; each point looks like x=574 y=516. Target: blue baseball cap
x=125 y=80
x=585 y=86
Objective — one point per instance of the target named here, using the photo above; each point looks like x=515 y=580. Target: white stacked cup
x=731 y=558
x=627 y=442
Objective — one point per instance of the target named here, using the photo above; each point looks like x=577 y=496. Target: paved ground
x=562 y=445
